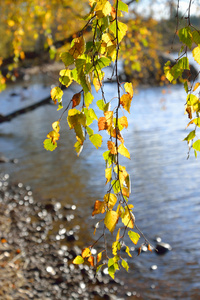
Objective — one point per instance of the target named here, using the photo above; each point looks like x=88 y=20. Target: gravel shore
x=36 y=259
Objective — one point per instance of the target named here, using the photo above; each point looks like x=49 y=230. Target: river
x=165 y=184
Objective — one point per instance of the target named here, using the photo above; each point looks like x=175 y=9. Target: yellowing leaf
x=96 y=140
x=102 y=124
x=111 y=220
x=78 y=47
x=78 y=260
x=78 y=147
x=196 y=54
x=125 y=101
x=123 y=151
x=56 y=94
x=196 y=86
x=48 y=145
x=125 y=265
x=112 y=147
x=110 y=200
x=123 y=122
x=76 y=99
x=109 y=118
x=98 y=207
x=86 y=252
x=129 y=88
x=134 y=237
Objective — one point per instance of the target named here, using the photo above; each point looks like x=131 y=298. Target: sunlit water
x=165 y=185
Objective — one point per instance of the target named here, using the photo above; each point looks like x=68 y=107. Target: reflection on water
x=165 y=185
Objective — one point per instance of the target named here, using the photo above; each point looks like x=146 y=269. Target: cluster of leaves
x=140 y=48
x=35 y=25
x=84 y=63
x=190 y=38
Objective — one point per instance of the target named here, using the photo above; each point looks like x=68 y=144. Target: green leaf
x=190 y=136
x=103 y=62
x=99 y=268
x=109 y=158
x=67 y=58
x=186 y=86
x=125 y=265
x=89 y=131
x=185 y=36
x=48 y=145
x=111 y=271
x=122 y=6
x=96 y=140
x=102 y=105
x=196 y=37
x=78 y=260
x=134 y=237
x=196 y=145
x=116 y=186
x=197 y=122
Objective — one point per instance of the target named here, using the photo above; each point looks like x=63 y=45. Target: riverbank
x=35 y=258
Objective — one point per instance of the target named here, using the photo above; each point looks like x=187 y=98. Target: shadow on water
x=165 y=185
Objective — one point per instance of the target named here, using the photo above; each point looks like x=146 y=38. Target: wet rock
x=162 y=248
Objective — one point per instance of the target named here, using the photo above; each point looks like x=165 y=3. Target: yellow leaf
x=134 y=236
x=123 y=151
x=56 y=94
x=196 y=86
x=129 y=88
x=108 y=174
x=99 y=257
x=125 y=101
x=86 y=252
x=78 y=260
x=118 y=235
x=98 y=207
x=111 y=220
x=56 y=126
x=196 y=54
x=97 y=84
x=53 y=136
x=103 y=8
x=127 y=218
x=110 y=200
